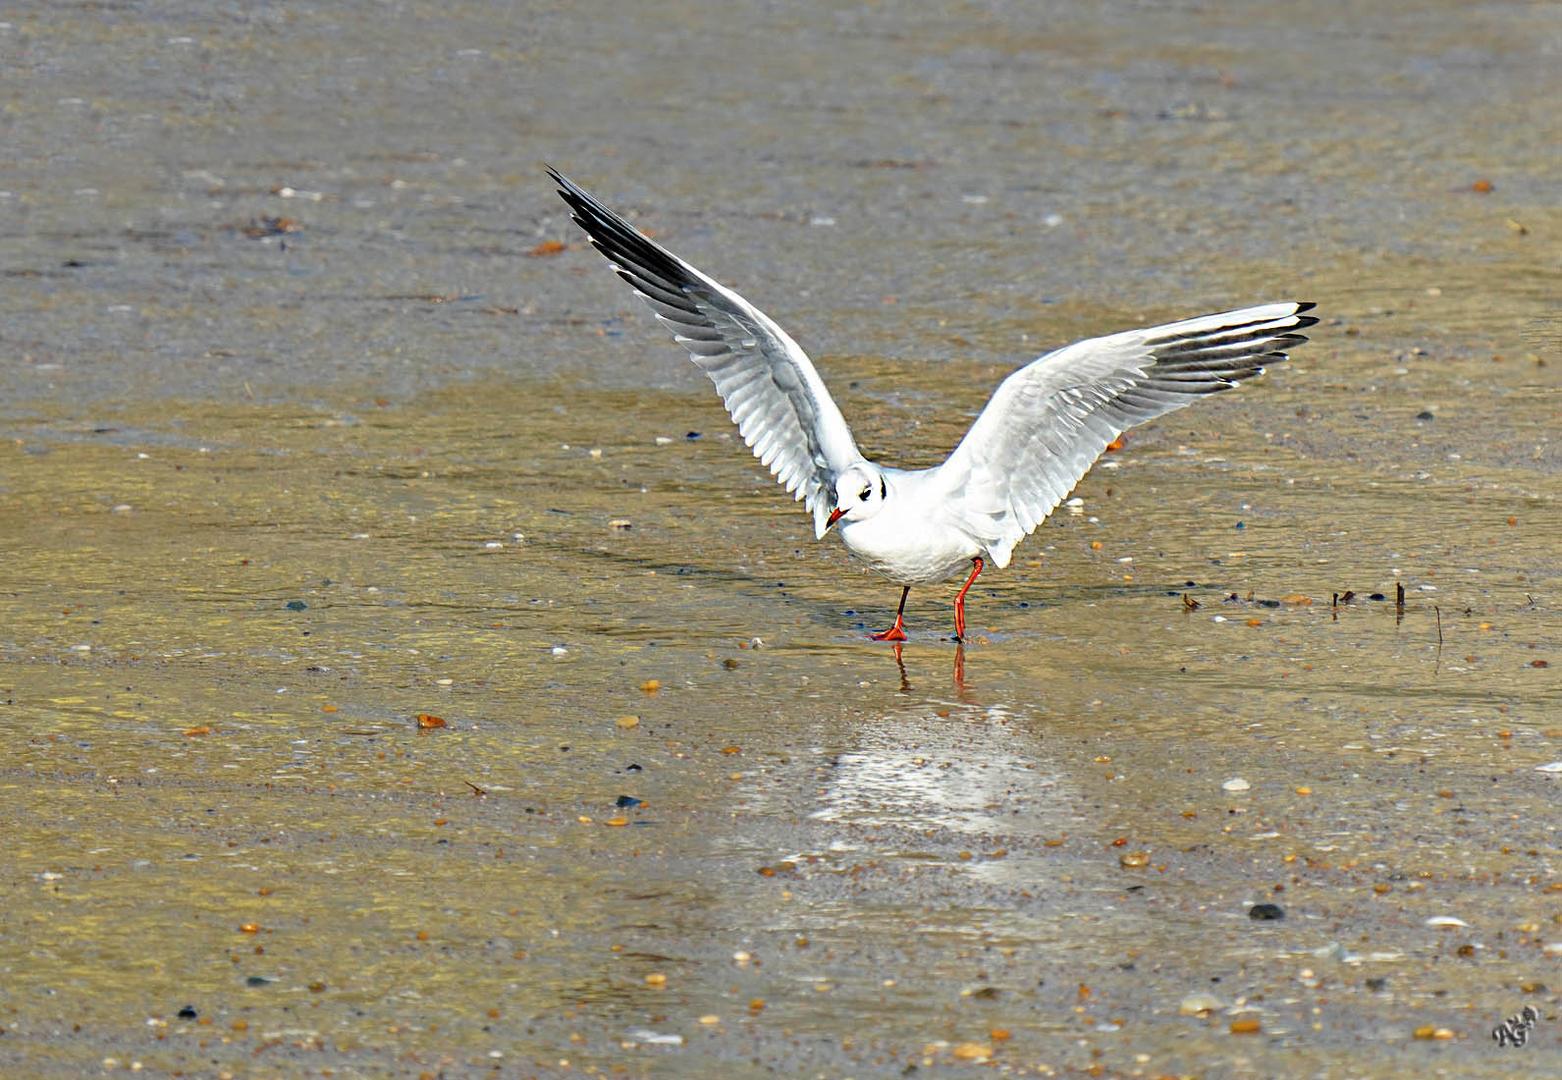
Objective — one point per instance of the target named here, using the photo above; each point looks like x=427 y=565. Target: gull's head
x=859 y=493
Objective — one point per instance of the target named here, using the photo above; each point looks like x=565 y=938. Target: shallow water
x=264 y=505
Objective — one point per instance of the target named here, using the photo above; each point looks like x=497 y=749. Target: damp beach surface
x=405 y=670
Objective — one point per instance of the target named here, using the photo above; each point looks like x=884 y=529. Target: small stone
x=1200 y=1005
x=710 y=1018
x=1133 y=860
x=656 y=978
x=627 y=722
x=297 y=605
x=621 y=523
x=1265 y=912
x=1446 y=920
x=973 y=1051
x=1248 y=1025
x=1236 y=783
x=188 y=1013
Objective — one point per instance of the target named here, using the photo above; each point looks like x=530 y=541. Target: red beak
x=835 y=515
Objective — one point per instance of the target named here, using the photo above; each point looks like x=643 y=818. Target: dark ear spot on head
x=883 y=491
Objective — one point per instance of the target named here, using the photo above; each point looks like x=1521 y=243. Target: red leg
x=976 y=568
x=896 y=632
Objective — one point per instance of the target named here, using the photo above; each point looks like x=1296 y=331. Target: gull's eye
x=866 y=492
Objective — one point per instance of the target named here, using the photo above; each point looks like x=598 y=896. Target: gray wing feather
x=770 y=387
x=1049 y=421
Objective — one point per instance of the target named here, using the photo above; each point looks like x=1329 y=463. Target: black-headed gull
x=1043 y=429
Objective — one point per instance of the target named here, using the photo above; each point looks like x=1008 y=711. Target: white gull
x=1044 y=427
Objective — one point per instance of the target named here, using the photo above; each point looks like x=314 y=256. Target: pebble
x=1446 y=920
x=188 y=1013
x=971 y=1051
x=653 y=1038
x=1553 y=767
x=1200 y=1004
x=1266 y=912
x=627 y=722
x=1236 y=783
x=559 y=650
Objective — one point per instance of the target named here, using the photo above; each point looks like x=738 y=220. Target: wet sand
x=301 y=441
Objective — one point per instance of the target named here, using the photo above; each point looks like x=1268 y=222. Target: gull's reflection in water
x=940 y=772
x=960 y=684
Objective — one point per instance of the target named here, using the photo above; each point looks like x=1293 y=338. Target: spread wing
x=768 y=383
x=1049 y=421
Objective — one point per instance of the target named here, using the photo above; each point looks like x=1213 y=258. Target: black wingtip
x=565 y=185
x=1301 y=305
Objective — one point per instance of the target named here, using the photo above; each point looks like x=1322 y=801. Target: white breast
x=910 y=546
